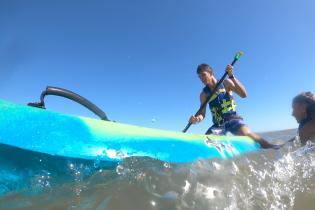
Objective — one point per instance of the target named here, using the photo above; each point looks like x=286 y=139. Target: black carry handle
x=72 y=96
x=236 y=58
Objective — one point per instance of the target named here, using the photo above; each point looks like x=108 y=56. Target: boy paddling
x=222 y=105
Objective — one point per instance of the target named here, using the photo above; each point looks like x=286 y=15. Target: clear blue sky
x=137 y=59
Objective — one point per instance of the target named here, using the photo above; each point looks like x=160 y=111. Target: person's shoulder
x=205 y=90
x=310 y=123
x=310 y=126
x=203 y=93
x=308 y=130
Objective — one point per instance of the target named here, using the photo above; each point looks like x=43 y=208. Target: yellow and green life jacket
x=222 y=105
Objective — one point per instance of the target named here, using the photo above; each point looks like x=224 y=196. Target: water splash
x=266 y=180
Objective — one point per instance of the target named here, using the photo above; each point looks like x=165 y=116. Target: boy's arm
x=203 y=98
x=233 y=84
x=196 y=119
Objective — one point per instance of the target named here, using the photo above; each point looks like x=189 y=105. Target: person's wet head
x=303 y=106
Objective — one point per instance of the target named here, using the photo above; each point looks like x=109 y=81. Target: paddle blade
x=238 y=55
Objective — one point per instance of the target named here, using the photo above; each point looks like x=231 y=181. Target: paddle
x=236 y=58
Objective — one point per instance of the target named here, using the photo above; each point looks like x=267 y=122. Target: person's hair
x=204 y=67
x=304 y=98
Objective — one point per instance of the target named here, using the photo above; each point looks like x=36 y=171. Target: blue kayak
x=36 y=129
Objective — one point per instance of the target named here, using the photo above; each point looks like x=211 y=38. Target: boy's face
x=205 y=77
x=299 y=111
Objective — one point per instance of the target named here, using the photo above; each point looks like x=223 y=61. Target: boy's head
x=205 y=73
x=303 y=106
x=204 y=67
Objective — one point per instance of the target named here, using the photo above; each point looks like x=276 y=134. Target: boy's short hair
x=204 y=67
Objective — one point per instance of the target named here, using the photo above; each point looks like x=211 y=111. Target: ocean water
x=270 y=179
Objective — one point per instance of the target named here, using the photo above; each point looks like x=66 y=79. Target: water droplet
x=216 y=165
x=171 y=195
x=119 y=169
x=167 y=165
x=153 y=203
x=186 y=188
x=71 y=166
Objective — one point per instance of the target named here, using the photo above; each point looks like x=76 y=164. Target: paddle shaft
x=210 y=95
